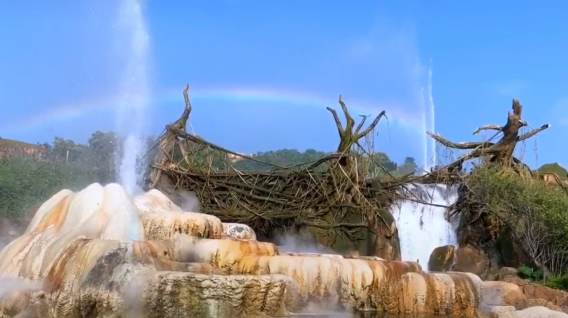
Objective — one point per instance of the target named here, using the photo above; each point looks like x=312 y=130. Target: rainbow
x=65 y=113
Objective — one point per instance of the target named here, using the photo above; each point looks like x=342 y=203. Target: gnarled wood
x=347 y=136
x=500 y=152
x=331 y=197
x=488 y=127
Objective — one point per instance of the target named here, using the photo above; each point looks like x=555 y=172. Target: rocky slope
x=17 y=149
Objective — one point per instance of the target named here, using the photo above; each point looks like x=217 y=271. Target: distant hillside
x=554 y=168
x=17 y=149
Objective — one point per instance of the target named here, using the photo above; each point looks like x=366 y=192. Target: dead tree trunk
x=167 y=141
x=482 y=225
x=500 y=152
x=348 y=137
x=347 y=167
x=346 y=172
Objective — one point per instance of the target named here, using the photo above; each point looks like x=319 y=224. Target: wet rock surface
x=527 y=298
x=99 y=253
x=442 y=258
x=472 y=260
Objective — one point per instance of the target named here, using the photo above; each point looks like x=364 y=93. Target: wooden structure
x=332 y=197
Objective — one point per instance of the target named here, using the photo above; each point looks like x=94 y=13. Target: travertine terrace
x=101 y=253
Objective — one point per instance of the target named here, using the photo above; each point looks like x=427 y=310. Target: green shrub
x=536 y=213
x=28 y=183
x=536 y=275
x=530 y=273
x=557 y=282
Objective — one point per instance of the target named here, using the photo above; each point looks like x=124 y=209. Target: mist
x=302 y=242
x=10 y=285
x=189 y=201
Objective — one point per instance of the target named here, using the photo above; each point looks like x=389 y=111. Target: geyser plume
x=428 y=123
x=432 y=118
x=424 y=227
x=134 y=92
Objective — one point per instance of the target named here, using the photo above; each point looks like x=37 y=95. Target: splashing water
x=423 y=227
x=135 y=92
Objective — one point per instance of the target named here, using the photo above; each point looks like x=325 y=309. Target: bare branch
x=337 y=225
x=346 y=134
x=186 y=98
x=337 y=121
x=532 y=132
x=371 y=126
x=517 y=109
x=459 y=145
x=361 y=124
x=349 y=122
x=182 y=121
x=487 y=127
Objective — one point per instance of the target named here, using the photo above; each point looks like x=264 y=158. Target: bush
x=530 y=273
x=536 y=275
x=536 y=213
x=557 y=282
x=27 y=183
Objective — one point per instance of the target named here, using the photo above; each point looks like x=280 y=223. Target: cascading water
x=423 y=227
x=134 y=90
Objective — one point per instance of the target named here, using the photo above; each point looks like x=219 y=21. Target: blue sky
x=262 y=72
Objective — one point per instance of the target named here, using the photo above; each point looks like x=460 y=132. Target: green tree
x=384 y=160
x=282 y=157
x=25 y=183
x=409 y=166
x=64 y=151
x=102 y=150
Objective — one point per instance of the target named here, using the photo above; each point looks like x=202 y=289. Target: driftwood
x=500 y=152
x=332 y=196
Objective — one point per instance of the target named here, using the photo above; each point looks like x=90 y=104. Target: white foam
x=423 y=227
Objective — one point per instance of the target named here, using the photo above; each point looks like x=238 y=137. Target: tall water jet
x=134 y=91
x=428 y=122
x=425 y=162
x=432 y=115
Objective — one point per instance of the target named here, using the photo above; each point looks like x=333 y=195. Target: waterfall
x=423 y=227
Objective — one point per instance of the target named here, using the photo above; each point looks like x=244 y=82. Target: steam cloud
x=188 y=201
x=302 y=242
x=10 y=285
